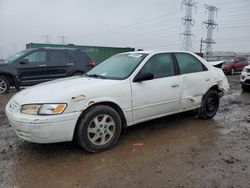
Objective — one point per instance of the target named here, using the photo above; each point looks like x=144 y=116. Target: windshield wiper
x=96 y=76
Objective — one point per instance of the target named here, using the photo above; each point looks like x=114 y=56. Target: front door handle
x=208 y=79
x=70 y=64
x=175 y=85
x=42 y=65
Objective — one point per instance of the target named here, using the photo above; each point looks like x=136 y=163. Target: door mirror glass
x=143 y=77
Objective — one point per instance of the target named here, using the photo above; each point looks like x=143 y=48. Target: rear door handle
x=208 y=79
x=69 y=64
x=42 y=65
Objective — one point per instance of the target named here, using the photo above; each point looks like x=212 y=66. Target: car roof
x=51 y=48
x=156 y=52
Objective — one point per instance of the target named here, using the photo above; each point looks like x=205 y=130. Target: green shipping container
x=96 y=53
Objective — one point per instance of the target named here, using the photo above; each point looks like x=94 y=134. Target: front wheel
x=209 y=105
x=4 y=85
x=245 y=87
x=99 y=129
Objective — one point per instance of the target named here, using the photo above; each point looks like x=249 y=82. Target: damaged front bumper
x=42 y=129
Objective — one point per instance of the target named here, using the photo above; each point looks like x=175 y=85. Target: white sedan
x=124 y=90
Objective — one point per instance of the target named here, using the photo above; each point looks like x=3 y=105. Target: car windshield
x=16 y=56
x=117 y=67
x=228 y=60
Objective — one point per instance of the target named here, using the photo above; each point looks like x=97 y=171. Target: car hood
x=215 y=63
x=247 y=67
x=3 y=62
x=61 y=90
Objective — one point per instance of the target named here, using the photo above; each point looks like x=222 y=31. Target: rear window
x=58 y=58
x=242 y=59
x=80 y=57
x=188 y=63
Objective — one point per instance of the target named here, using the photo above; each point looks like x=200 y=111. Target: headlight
x=30 y=109
x=244 y=70
x=52 y=109
x=43 y=109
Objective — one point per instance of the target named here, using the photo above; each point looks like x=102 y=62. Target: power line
x=133 y=25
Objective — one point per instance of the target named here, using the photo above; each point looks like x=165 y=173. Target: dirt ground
x=176 y=151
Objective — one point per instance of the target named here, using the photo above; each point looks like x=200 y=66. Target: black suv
x=33 y=66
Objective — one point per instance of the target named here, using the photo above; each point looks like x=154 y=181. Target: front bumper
x=42 y=129
x=245 y=78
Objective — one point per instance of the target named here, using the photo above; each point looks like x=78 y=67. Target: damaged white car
x=124 y=90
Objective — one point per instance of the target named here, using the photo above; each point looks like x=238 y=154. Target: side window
x=38 y=56
x=81 y=57
x=188 y=63
x=58 y=58
x=160 y=65
x=242 y=59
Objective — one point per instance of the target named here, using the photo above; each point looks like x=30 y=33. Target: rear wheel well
x=110 y=104
x=217 y=89
x=76 y=73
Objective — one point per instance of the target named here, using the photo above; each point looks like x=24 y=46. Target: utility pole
x=188 y=23
x=63 y=38
x=201 y=45
x=210 y=25
x=1 y=52
x=47 y=38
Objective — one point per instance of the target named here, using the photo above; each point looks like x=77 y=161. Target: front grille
x=13 y=106
x=247 y=81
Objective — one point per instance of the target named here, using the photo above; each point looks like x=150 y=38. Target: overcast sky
x=147 y=24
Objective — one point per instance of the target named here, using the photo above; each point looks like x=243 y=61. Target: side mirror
x=24 y=61
x=143 y=77
x=237 y=61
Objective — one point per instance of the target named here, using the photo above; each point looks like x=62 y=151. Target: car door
x=60 y=64
x=237 y=64
x=195 y=80
x=32 y=68
x=243 y=62
x=158 y=96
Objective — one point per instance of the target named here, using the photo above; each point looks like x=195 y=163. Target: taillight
x=91 y=63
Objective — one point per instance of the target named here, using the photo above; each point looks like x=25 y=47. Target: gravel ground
x=175 y=151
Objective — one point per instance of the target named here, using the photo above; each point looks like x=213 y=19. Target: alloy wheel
x=101 y=129
x=3 y=86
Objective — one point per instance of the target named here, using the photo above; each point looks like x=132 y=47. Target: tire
x=209 y=105
x=245 y=87
x=232 y=71
x=99 y=129
x=4 y=85
x=77 y=74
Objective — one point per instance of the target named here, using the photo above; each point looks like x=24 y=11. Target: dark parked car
x=236 y=64
x=33 y=66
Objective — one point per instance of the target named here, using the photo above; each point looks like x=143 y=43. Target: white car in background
x=124 y=90
x=245 y=78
